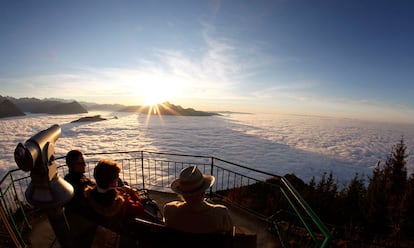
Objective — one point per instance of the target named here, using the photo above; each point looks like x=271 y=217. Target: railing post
x=211 y=173
x=142 y=169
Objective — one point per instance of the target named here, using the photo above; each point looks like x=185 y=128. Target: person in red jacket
x=109 y=201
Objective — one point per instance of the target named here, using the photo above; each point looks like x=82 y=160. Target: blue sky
x=339 y=58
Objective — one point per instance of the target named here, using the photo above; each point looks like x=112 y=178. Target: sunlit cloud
x=279 y=144
x=215 y=73
x=286 y=89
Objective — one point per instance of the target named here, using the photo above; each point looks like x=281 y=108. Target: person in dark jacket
x=76 y=177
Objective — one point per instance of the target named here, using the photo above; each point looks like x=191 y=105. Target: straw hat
x=192 y=182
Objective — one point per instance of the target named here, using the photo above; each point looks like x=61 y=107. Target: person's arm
x=134 y=208
x=130 y=192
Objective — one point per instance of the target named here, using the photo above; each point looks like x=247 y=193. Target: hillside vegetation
x=374 y=213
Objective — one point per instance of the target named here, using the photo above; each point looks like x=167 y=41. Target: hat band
x=191 y=187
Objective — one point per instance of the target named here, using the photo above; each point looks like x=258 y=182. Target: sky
x=352 y=59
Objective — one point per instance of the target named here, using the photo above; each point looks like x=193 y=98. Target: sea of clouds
x=279 y=144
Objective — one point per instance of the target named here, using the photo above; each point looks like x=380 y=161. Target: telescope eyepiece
x=23 y=158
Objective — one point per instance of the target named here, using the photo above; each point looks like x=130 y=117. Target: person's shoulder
x=173 y=204
x=218 y=207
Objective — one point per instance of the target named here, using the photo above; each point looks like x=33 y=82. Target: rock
x=89 y=119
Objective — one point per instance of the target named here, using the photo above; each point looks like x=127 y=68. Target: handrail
x=310 y=213
x=246 y=167
x=233 y=183
x=7 y=175
x=9 y=205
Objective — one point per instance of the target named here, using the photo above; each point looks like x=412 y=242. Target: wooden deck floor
x=42 y=235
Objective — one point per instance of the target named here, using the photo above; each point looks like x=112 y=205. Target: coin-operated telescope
x=36 y=155
x=47 y=189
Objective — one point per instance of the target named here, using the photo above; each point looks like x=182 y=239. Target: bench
x=150 y=234
x=90 y=231
x=86 y=224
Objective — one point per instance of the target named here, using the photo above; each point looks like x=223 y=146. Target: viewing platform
x=252 y=231
x=266 y=213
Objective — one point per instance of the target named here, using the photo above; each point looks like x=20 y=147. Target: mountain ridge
x=9 y=109
x=18 y=107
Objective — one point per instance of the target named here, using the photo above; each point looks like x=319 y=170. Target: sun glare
x=151 y=99
x=156 y=91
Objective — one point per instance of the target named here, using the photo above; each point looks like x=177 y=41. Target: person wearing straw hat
x=193 y=213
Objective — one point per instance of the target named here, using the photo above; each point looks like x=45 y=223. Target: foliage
x=321 y=197
x=375 y=203
x=351 y=201
x=384 y=209
x=407 y=207
x=381 y=212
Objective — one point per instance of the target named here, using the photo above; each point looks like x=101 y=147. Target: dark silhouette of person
x=194 y=214
x=76 y=164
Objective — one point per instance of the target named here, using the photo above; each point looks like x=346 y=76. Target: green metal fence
x=13 y=216
x=267 y=196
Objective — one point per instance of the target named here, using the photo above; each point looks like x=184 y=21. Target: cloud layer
x=279 y=144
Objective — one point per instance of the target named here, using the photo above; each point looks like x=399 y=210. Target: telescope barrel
x=28 y=153
x=49 y=135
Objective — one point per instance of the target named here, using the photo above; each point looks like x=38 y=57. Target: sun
x=157 y=91
x=152 y=89
x=154 y=98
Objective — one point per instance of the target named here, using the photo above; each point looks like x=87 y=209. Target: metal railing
x=13 y=216
x=269 y=197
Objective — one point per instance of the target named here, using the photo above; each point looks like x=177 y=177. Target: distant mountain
x=9 y=109
x=34 y=105
x=61 y=106
x=167 y=108
x=102 y=107
x=67 y=108
x=131 y=109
